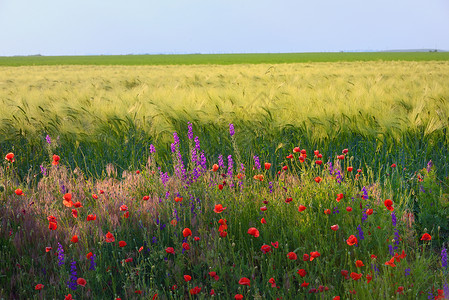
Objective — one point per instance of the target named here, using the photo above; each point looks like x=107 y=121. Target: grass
x=222 y=59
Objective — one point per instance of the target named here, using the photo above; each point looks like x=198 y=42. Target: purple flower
x=390 y=249
x=256 y=162
x=93 y=264
x=331 y=169
x=152 y=149
x=429 y=166
x=393 y=219
x=365 y=193
x=190 y=132
x=407 y=272
x=176 y=138
x=173 y=147
x=231 y=129
x=361 y=235
x=220 y=161
x=270 y=185
x=444 y=258
x=339 y=177
x=60 y=254
x=48 y=139
x=72 y=284
x=43 y=170
x=230 y=166
x=335 y=211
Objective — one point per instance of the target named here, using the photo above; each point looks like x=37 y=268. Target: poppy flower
x=220 y=187
x=352 y=240
x=238 y=297
x=305 y=284
x=292 y=256
x=327 y=211
x=187 y=278
x=336 y=298
x=319 y=162
x=263 y=221
x=219 y=208
x=265 y=248
x=356 y=276
x=302 y=272
x=77 y=204
x=285 y=168
x=101 y=192
x=368 y=278
x=388 y=202
x=359 y=264
x=122 y=244
x=52 y=225
x=67 y=200
x=301 y=208
x=74 y=213
x=275 y=244
x=110 y=237
x=91 y=217
x=302 y=158
x=390 y=263
x=81 y=281
x=130 y=259
x=95 y=196
x=39 y=287
x=318 y=179
x=400 y=290
x=259 y=177
x=393 y=165
x=289 y=156
x=341 y=157
x=68 y=297
x=345 y=273
x=426 y=237
x=74 y=239
x=48 y=249
x=272 y=281
x=139 y=292
x=267 y=166
x=349 y=209
x=170 y=250
x=174 y=222
x=306 y=257
x=288 y=200
x=334 y=227
x=345 y=151
x=339 y=197
x=10 y=157
x=373 y=256
x=146 y=198
x=186 y=232
x=314 y=255
x=369 y=212
x=350 y=169
x=223 y=233
x=140 y=249
x=253 y=231
x=215 y=168
x=19 y=192
x=263 y=208
x=55 y=159
x=244 y=281
x=212 y=292
x=185 y=246
x=89 y=255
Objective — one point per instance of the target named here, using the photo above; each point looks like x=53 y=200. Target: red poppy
x=68 y=297
x=244 y=281
x=345 y=273
x=390 y=262
x=272 y=281
x=339 y=197
x=388 y=202
x=219 y=208
x=352 y=240
x=263 y=208
x=345 y=151
x=10 y=157
x=314 y=255
x=81 y=281
x=174 y=222
x=122 y=244
x=267 y=166
x=39 y=287
x=187 y=278
x=327 y=211
x=212 y=292
x=253 y=231
x=89 y=255
x=349 y=209
x=305 y=257
x=95 y=196
x=91 y=217
x=130 y=259
x=288 y=200
x=275 y=244
x=126 y=215
x=74 y=239
x=223 y=233
x=110 y=237
x=289 y=156
x=356 y=276
x=302 y=158
x=52 y=225
x=238 y=297
x=215 y=168
x=48 y=249
x=140 y=249
x=373 y=256
x=185 y=246
x=292 y=256
x=284 y=168
x=305 y=284
x=368 y=278
x=336 y=298
x=426 y=237
x=170 y=250
x=146 y=198
x=55 y=159
x=139 y=292
x=334 y=227
x=74 y=213
x=265 y=248
x=263 y=221
x=318 y=179
x=350 y=169
x=369 y=212
x=77 y=204
x=19 y=192
x=301 y=208
x=302 y=272
x=67 y=201
x=220 y=187
x=400 y=290
x=359 y=264
x=319 y=162
x=393 y=165
x=186 y=232
x=341 y=157
x=101 y=192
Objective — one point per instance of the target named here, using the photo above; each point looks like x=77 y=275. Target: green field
x=221 y=59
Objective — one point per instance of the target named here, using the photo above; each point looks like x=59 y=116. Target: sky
x=103 y=27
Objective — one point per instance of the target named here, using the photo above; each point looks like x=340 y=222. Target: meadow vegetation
x=249 y=181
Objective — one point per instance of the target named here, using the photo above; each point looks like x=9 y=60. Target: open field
x=222 y=59
x=245 y=181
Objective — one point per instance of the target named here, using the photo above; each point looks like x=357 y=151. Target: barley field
x=310 y=180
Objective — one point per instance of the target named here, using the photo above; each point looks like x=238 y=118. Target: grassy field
x=323 y=180
x=222 y=59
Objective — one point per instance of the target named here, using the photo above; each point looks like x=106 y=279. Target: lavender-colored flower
x=154 y=240
x=190 y=132
x=230 y=166
x=93 y=264
x=361 y=235
x=72 y=284
x=48 y=139
x=173 y=148
x=220 y=161
x=390 y=249
x=365 y=193
x=60 y=254
x=444 y=258
x=331 y=169
x=335 y=211
x=429 y=166
x=203 y=161
x=231 y=129
x=364 y=217
x=256 y=162
x=430 y=295
x=43 y=170
x=397 y=239
x=270 y=185
x=176 y=138
x=152 y=149
x=407 y=272
x=339 y=176
x=446 y=288
x=376 y=269
x=393 y=219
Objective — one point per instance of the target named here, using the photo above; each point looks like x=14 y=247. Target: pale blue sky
x=63 y=27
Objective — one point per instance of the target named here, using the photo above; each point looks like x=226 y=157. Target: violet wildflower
x=339 y=177
x=390 y=249
x=331 y=169
x=407 y=272
x=446 y=288
x=176 y=138
x=270 y=185
x=444 y=258
x=43 y=170
x=393 y=219
x=429 y=166
x=173 y=147
x=365 y=193
x=231 y=129
x=72 y=284
x=48 y=139
x=60 y=254
x=93 y=264
x=203 y=161
x=154 y=240
x=361 y=235
x=190 y=132
x=256 y=162
x=220 y=161
x=152 y=149
x=335 y=211
x=230 y=166
x=364 y=217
